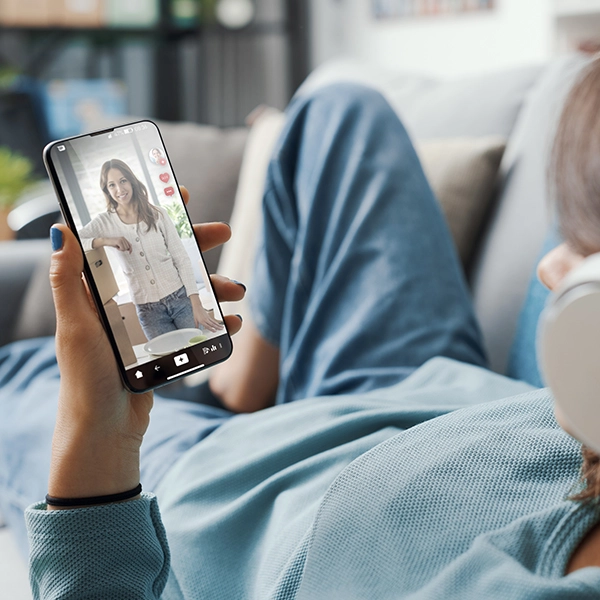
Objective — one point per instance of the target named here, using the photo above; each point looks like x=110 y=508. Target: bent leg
x=357 y=281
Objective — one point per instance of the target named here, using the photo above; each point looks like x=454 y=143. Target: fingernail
x=240 y=318
x=239 y=283
x=225 y=223
x=56 y=238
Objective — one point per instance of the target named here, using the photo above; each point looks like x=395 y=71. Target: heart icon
x=164 y=177
x=169 y=191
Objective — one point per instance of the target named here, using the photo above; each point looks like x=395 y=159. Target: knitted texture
x=98 y=551
x=423 y=501
x=392 y=494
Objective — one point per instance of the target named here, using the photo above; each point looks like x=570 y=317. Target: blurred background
x=456 y=71
x=65 y=64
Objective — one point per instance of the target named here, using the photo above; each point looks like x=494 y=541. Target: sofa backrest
x=513 y=237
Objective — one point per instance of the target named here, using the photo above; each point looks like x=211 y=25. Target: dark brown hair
x=575 y=181
x=145 y=211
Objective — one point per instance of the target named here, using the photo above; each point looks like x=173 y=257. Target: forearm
x=92 y=243
x=88 y=463
x=99 y=429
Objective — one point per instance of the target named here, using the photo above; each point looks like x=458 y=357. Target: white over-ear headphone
x=569 y=350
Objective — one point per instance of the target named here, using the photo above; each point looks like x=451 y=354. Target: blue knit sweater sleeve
x=117 y=551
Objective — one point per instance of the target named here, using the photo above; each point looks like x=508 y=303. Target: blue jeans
x=168 y=314
x=357 y=281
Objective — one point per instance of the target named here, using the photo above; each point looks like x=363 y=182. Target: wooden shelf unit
x=165 y=40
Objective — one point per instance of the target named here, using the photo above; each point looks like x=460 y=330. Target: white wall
x=517 y=32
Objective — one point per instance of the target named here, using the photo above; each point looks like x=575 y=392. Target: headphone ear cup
x=569 y=351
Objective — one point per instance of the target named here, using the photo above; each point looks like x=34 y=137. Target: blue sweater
x=442 y=487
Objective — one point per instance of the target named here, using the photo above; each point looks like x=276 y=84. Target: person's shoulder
x=103 y=218
x=162 y=212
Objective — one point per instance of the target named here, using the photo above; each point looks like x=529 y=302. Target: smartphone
x=118 y=193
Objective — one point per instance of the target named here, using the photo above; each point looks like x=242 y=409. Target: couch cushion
x=237 y=258
x=462 y=173
x=19 y=262
x=37 y=317
x=207 y=161
x=474 y=106
x=516 y=231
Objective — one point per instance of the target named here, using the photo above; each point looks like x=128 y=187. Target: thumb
x=68 y=289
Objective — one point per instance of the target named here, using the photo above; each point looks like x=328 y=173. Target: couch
x=485 y=138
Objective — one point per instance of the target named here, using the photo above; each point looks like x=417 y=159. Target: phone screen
x=119 y=193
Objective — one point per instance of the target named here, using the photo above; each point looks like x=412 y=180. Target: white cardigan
x=158 y=264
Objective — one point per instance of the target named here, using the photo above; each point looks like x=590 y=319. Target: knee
x=349 y=98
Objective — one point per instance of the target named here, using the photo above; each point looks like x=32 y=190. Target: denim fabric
x=522 y=362
x=168 y=314
x=357 y=281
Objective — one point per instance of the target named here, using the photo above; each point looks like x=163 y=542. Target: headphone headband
x=569 y=350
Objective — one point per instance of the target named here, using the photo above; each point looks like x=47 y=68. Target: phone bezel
x=127 y=375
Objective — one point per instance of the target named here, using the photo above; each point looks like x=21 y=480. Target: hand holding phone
x=100 y=425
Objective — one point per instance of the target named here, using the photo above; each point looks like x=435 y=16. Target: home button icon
x=181 y=360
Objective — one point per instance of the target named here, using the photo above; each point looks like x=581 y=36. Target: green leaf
x=177 y=214
x=15 y=176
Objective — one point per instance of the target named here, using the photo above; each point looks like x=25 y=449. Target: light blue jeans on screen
x=168 y=314
x=357 y=281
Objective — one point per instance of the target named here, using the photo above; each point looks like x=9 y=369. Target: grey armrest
x=18 y=261
x=33 y=219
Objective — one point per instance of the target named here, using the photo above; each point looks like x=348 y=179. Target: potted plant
x=15 y=178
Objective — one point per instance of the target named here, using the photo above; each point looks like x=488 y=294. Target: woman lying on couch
x=393 y=464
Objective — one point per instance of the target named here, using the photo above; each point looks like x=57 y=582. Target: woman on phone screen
x=157 y=267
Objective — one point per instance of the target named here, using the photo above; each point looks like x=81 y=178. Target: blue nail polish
x=239 y=283
x=240 y=318
x=56 y=238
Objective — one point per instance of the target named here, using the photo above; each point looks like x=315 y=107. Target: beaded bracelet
x=63 y=502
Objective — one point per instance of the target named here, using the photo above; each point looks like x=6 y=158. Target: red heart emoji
x=169 y=191
x=165 y=177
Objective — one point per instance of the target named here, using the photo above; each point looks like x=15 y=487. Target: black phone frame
x=127 y=375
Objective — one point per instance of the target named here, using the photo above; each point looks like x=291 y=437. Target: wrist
x=54 y=503
x=87 y=464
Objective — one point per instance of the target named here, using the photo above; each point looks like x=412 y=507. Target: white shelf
x=575 y=8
